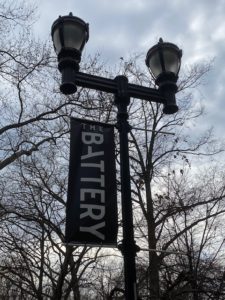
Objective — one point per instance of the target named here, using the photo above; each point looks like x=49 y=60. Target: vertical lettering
x=89 y=138
x=93 y=193
x=93 y=230
x=91 y=154
x=100 y=180
x=101 y=165
x=95 y=212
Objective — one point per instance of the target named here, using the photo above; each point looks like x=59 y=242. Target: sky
x=119 y=28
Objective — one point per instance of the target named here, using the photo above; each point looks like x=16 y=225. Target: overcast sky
x=122 y=27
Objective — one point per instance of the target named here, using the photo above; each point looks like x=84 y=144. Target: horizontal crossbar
x=110 y=86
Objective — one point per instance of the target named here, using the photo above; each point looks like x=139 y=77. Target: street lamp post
x=69 y=35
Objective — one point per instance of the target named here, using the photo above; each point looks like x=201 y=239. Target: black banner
x=91 y=212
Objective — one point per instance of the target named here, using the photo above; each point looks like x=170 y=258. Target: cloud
x=120 y=27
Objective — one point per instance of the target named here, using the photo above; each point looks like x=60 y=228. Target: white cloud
x=120 y=27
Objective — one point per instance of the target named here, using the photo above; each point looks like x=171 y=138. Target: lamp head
x=69 y=33
x=164 y=60
x=69 y=36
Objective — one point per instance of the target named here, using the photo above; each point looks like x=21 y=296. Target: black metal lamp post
x=69 y=35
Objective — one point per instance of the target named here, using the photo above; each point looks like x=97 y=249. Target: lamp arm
x=110 y=86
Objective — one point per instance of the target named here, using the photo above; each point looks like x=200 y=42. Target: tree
x=34 y=125
x=157 y=159
x=33 y=256
x=199 y=272
x=30 y=102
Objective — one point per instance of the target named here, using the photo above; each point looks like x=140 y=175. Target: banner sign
x=91 y=212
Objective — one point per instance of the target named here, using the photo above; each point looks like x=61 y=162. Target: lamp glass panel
x=56 y=41
x=171 y=61
x=74 y=35
x=154 y=64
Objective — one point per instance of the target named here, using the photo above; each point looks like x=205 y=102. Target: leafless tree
x=161 y=150
x=33 y=256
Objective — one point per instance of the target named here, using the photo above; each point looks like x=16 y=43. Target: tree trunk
x=153 y=257
x=57 y=295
